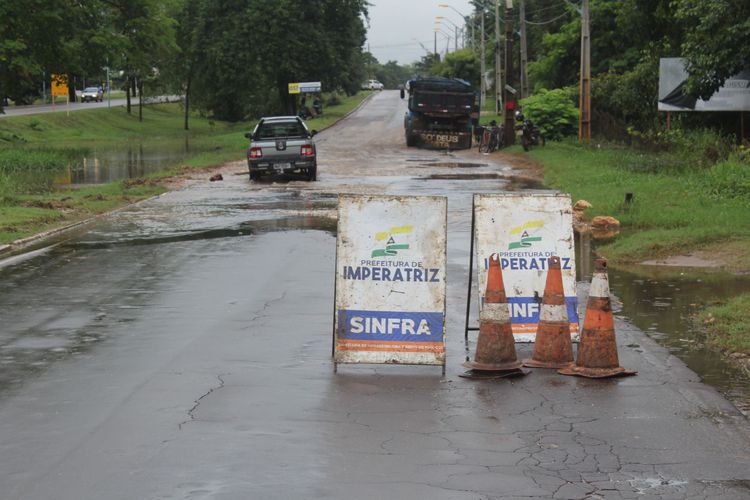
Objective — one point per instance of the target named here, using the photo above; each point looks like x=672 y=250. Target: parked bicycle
x=491 y=138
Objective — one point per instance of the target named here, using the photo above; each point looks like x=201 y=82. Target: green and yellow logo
x=391 y=247
x=525 y=233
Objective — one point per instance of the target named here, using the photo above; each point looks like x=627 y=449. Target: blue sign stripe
x=390 y=325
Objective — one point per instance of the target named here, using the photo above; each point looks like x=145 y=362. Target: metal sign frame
x=390 y=287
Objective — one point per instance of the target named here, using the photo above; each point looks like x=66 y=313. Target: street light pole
x=524 y=52
x=510 y=104
x=482 y=89
x=498 y=84
x=584 y=122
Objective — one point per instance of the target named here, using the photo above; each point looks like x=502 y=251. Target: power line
x=550 y=20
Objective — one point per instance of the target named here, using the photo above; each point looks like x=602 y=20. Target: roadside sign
x=304 y=87
x=309 y=87
x=59 y=85
x=525 y=230
x=390 y=280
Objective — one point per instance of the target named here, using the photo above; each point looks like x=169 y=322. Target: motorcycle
x=530 y=133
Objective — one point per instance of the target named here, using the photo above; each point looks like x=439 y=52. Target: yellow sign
x=294 y=88
x=59 y=85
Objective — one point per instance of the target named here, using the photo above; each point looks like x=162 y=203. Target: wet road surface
x=181 y=348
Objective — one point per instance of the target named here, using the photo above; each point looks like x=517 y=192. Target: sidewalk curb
x=17 y=245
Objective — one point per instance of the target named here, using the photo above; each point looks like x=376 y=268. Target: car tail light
x=255 y=153
x=306 y=150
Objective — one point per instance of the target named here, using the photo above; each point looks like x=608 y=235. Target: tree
x=462 y=63
x=246 y=53
x=717 y=42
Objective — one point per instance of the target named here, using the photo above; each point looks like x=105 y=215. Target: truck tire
x=254 y=176
x=410 y=142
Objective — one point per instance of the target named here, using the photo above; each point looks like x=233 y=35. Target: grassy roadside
x=31 y=207
x=676 y=209
x=727 y=325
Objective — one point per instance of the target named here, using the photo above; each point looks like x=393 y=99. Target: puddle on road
x=454 y=164
x=461 y=177
x=664 y=303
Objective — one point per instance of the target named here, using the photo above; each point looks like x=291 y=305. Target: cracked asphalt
x=181 y=349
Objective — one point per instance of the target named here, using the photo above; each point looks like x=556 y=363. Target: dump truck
x=442 y=112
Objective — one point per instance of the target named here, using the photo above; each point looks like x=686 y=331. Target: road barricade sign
x=526 y=230
x=390 y=280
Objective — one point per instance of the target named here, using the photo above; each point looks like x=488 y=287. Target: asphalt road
x=180 y=349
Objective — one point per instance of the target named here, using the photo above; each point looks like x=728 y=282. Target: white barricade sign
x=525 y=230
x=390 y=280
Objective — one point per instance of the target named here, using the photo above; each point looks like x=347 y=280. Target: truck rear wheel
x=410 y=141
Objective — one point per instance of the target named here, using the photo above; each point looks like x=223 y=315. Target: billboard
x=390 y=280
x=304 y=87
x=525 y=230
x=734 y=95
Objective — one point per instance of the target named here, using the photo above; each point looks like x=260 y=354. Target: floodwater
x=665 y=303
x=113 y=162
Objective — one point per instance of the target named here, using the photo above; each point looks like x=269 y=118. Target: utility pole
x=482 y=89
x=584 y=104
x=434 y=51
x=498 y=84
x=455 y=41
x=510 y=98
x=524 y=52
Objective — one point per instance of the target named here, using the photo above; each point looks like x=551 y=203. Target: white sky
x=397 y=27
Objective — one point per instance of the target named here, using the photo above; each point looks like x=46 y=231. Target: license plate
x=282 y=166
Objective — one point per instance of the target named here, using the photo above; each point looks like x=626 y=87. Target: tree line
x=627 y=39
x=230 y=58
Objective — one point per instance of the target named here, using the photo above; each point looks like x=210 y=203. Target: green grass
x=32 y=214
x=34 y=149
x=728 y=325
x=675 y=210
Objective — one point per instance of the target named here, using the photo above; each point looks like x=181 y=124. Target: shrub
x=553 y=112
x=729 y=179
x=703 y=147
x=333 y=99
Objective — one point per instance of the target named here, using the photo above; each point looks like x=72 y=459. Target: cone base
x=582 y=371
x=493 y=367
x=532 y=363
x=491 y=375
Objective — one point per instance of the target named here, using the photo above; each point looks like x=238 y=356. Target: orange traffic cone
x=597 y=350
x=496 y=347
x=552 y=347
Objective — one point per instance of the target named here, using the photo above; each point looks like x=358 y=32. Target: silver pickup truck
x=281 y=144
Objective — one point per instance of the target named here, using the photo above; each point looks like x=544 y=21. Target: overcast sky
x=397 y=27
